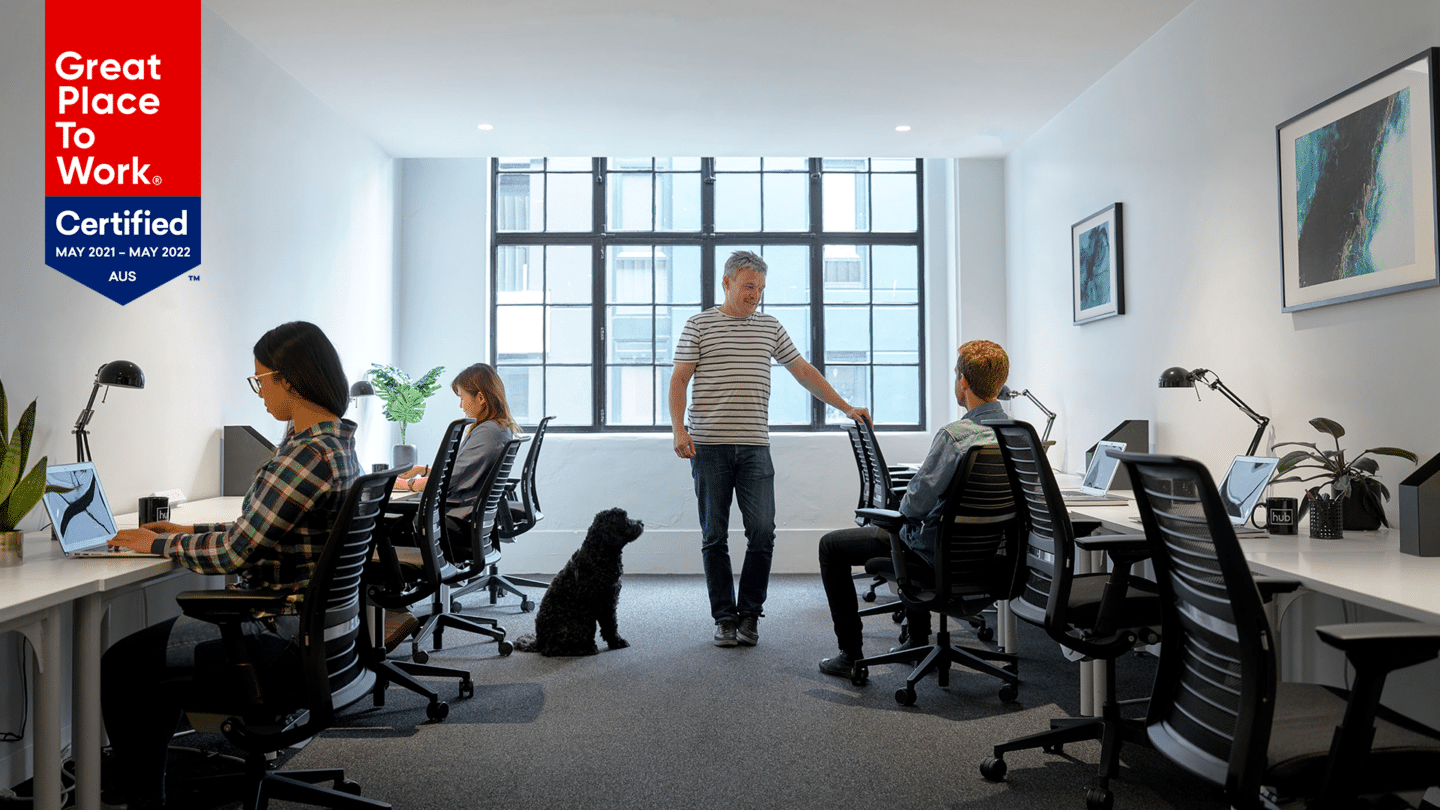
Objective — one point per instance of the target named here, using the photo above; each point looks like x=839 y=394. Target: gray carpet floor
x=673 y=721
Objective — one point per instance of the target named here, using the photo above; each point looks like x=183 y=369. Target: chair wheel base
x=1098 y=798
x=905 y=697
x=860 y=675
x=868 y=596
x=505 y=648
x=993 y=769
x=420 y=657
x=1009 y=693
x=467 y=689
x=438 y=711
x=986 y=633
x=349 y=786
x=527 y=605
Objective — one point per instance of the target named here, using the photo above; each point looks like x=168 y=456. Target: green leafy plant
x=18 y=495
x=1359 y=475
x=404 y=398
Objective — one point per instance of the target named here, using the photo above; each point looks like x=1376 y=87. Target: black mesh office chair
x=522 y=512
x=263 y=717
x=1100 y=616
x=470 y=571
x=977 y=561
x=402 y=577
x=863 y=464
x=1218 y=708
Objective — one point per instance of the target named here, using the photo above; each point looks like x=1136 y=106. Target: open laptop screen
x=1243 y=484
x=1102 y=468
x=81 y=517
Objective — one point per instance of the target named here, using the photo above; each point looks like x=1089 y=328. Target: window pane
x=519 y=164
x=843 y=164
x=669 y=321
x=567 y=274
x=846 y=270
x=569 y=336
x=678 y=202
x=787 y=164
x=569 y=203
x=520 y=202
x=570 y=164
x=737 y=164
x=679 y=164
x=852 y=383
x=789 y=402
x=897 y=394
x=677 y=272
x=847 y=334
x=519 y=334
x=737 y=202
x=897 y=334
x=615 y=164
x=631 y=337
x=569 y=395
x=796 y=321
x=518 y=277
x=524 y=392
x=894 y=201
x=630 y=202
x=787 y=206
x=845 y=202
x=788 y=279
x=630 y=275
x=662 y=394
x=632 y=396
x=897 y=274
x=892 y=164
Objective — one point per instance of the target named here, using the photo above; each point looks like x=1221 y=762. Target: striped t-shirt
x=730 y=392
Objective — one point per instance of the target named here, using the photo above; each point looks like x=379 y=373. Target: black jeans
x=840 y=551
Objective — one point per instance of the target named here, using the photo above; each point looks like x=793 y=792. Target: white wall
x=1183 y=133
x=298 y=223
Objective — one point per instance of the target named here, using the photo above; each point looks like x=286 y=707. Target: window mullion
x=817 y=288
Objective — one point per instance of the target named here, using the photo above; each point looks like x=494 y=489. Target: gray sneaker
x=748 y=633
x=725 y=633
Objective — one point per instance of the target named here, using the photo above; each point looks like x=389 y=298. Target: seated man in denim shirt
x=979 y=375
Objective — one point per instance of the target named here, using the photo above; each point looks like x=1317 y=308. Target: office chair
x=404 y=576
x=866 y=500
x=1099 y=616
x=1218 y=709
x=261 y=717
x=977 y=561
x=521 y=513
x=469 y=574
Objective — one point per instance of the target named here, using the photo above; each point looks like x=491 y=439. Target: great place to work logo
x=122 y=142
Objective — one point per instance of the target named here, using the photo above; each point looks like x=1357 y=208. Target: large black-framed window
x=597 y=262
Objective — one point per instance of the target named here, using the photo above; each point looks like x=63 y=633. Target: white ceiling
x=974 y=78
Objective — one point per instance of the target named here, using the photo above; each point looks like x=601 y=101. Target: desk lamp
x=122 y=373
x=363 y=388
x=1007 y=394
x=1177 y=377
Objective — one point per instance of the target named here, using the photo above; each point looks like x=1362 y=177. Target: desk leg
x=44 y=636
x=85 y=716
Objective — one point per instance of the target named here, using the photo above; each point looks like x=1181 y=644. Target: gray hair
x=741 y=259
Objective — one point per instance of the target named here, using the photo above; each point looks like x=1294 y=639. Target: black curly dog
x=585 y=593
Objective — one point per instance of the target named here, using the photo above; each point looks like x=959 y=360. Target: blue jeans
x=744 y=469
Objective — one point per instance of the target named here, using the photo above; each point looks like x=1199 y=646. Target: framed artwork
x=1098 y=265
x=1357 y=191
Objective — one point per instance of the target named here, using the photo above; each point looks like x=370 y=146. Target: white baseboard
x=658 y=551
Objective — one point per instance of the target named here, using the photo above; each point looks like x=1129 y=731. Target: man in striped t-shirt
x=727 y=350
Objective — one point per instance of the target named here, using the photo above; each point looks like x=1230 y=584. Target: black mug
x=154 y=508
x=1281 y=515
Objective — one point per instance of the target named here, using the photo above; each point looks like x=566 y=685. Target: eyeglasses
x=254 y=380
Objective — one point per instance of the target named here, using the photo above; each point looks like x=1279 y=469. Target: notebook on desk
x=1093 y=490
x=80 y=517
x=1244 y=482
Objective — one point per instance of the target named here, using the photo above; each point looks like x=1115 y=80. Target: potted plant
x=404 y=403
x=18 y=494
x=1355 y=487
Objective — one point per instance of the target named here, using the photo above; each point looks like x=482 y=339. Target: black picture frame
x=1097 y=259
x=1358 y=192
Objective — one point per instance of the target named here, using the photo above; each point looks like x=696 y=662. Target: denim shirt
x=925 y=497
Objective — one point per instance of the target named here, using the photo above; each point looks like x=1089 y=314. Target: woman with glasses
x=274 y=545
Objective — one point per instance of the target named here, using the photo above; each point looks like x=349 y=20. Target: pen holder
x=1327 y=518
x=12 y=549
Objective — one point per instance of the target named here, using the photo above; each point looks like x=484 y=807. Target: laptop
x=80 y=518
x=1242 y=487
x=1103 y=466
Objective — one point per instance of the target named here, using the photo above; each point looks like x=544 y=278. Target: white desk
x=32 y=596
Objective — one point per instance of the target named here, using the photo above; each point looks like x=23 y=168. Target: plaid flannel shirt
x=286 y=516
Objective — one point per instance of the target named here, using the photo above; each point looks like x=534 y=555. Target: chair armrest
x=1123 y=548
x=1083 y=527
x=1386 y=645
x=887 y=519
x=220 y=607
x=1270 y=587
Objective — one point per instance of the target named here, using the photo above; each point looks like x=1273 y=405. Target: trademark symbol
x=194 y=278
x=155 y=181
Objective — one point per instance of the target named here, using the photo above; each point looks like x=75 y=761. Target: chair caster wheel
x=1099 y=799
x=905 y=697
x=860 y=675
x=527 y=605
x=438 y=710
x=898 y=617
x=420 y=657
x=868 y=596
x=985 y=633
x=467 y=689
x=456 y=607
x=993 y=769
x=505 y=647
x=349 y=786
x=1008 y=693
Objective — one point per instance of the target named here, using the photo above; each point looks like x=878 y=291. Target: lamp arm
x=1049 y=414
x=1261 y=421
x=82 y=443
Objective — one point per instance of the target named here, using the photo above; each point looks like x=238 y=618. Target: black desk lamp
x=362 y=388
x=1177 y=377
x=1007 y=394
x=122 y=373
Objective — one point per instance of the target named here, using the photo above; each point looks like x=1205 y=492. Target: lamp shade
x=362 y=388
x=1176 y=377
x=1006 y=394
x=122 y=373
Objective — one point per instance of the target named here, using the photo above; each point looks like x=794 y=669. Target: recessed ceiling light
x=485 y=127
x=903 y=128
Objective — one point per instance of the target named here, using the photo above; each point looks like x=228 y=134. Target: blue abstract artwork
x=1354 y=194
x=1094 y=266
